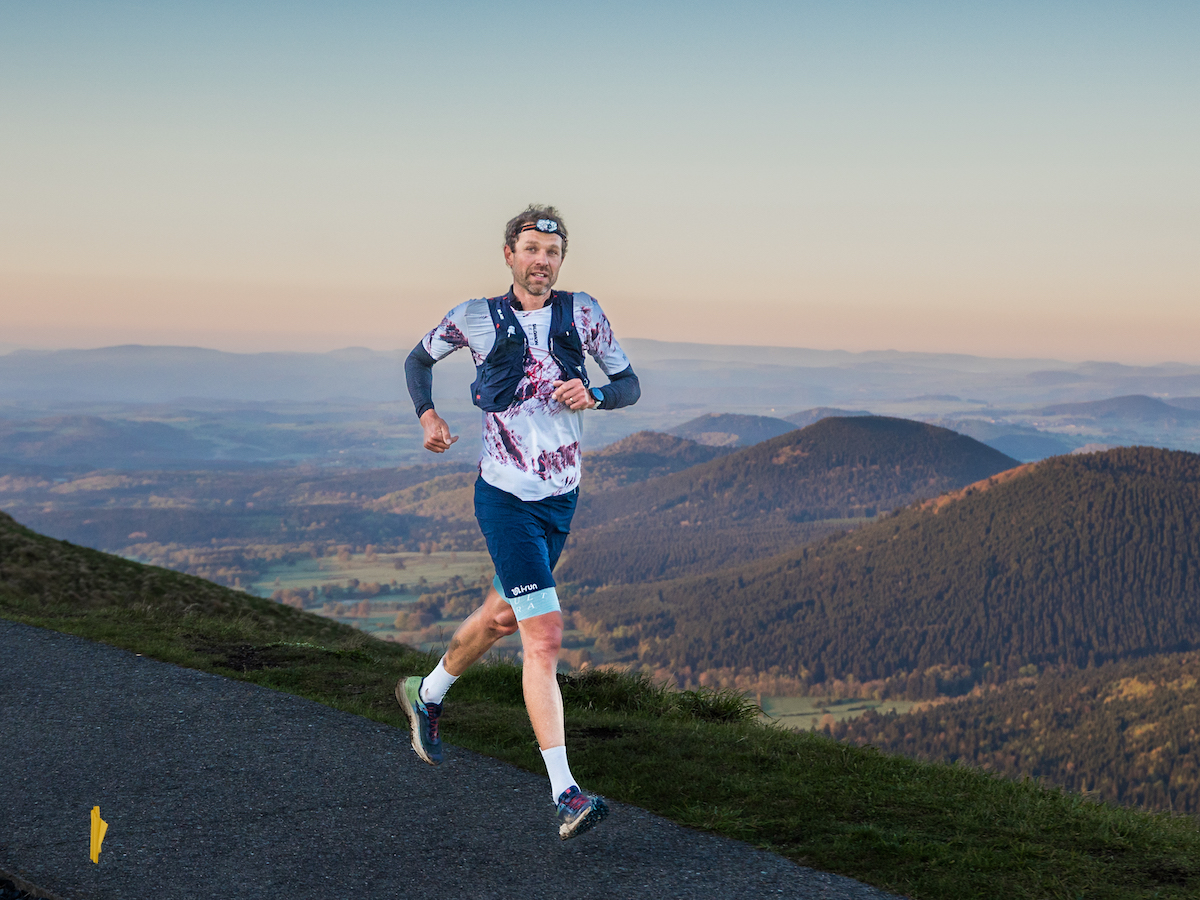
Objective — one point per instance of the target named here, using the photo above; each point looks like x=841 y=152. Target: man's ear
x=508 y=256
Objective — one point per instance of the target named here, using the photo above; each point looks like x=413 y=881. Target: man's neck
x=529 y=302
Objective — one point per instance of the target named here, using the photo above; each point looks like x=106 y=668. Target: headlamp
x=546 y=226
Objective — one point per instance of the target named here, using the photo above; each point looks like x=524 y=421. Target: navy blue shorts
x=525 y=539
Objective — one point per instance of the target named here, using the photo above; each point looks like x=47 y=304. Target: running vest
x=497 y=378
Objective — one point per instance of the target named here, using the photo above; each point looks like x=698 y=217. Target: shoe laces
x=433 y=712
x=573 y=799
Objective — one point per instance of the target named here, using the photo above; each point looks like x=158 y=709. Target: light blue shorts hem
x=537 y=603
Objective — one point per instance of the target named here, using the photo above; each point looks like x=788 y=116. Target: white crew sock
x=436 y=683
x=558 y=770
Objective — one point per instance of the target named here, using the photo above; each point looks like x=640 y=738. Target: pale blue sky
x=1014 y=180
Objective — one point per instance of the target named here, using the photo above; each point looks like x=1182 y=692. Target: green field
x=435 y=568
x=416 y=574
x=809 y=713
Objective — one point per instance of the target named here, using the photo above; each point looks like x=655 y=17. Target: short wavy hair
x=530 y=214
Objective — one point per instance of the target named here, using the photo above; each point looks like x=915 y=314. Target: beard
x=536 y=287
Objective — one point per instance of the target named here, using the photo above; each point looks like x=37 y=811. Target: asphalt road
x=213 y=788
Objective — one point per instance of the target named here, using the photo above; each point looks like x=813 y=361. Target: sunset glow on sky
x=1015 y=179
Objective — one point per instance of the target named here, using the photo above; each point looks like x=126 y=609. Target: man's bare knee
x=541 y=638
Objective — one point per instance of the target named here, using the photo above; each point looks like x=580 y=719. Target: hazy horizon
x=5 y=349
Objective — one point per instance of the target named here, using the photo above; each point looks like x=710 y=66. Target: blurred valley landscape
x=950 y=557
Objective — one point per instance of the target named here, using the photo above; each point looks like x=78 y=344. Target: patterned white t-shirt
x=530 y=449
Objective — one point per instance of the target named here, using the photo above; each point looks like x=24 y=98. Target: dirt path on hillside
x=214 y=788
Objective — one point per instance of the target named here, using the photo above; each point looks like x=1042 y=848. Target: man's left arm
x=623 y=388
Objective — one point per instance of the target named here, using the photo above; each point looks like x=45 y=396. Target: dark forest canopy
x=1125 y=731
x=615 y=554
x=1075 y=560
x=836 y=468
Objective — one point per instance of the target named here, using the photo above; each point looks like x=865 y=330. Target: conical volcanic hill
x=765 y=499
x=836 y=468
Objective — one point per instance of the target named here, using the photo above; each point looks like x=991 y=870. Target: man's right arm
x=450 y=335
x=418 y=373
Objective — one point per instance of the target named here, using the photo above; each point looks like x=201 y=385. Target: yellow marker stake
x=99 y=827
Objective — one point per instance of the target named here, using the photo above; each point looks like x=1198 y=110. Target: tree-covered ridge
x=837 y=468
x=1125 y=732
x=1076 y=561
x=617 y=554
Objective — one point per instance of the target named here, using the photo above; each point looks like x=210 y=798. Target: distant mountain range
x=162 y=374
x=105 y=443
x=752 y=380
x=731 y=429
x=812 y=416
x=1020 y=442
x=737 y=430
x=1134 y=408
x=349 y=407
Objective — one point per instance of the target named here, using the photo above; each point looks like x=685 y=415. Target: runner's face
x=535 y=262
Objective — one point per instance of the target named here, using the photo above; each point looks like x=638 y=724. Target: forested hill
x=1076 y=559
x=836 y=468
x=1125 y=731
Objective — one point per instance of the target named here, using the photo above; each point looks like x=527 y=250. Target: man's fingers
x=563 y=389
x=440 y=443
x=438 y=437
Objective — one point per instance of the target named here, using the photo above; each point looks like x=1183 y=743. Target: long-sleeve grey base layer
x=213 y=788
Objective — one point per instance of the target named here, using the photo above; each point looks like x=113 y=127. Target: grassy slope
x=928 y=831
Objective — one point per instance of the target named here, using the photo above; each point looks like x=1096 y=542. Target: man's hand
x=573 y=394
x=437 y=432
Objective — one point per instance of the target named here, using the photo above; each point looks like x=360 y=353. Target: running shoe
x=577 y=812
x=423 y=718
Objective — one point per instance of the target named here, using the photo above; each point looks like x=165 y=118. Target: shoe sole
x=593 y=818
x=414 y=722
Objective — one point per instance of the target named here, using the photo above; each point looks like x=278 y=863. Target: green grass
x=435 y=568
x=699 y=758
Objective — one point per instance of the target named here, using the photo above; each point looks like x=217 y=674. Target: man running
x=533 y=388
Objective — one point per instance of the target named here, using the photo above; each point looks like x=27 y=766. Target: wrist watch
x=597 y=396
